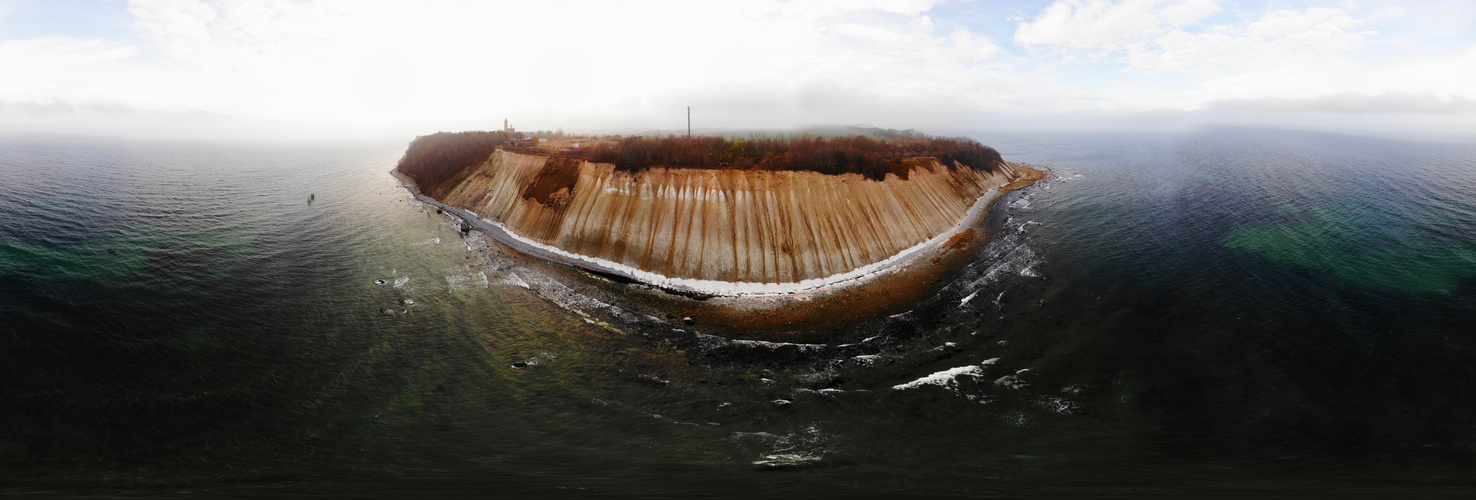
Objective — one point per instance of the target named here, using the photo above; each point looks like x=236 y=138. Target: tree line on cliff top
x=432 y=159
x=435 y=158
x=836 y=155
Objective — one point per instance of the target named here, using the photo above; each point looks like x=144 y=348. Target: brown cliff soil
x=720 y=225
x=811 y=318
x=559 y=176
x=959 y=240
x=1029 y=175
x=802 y=317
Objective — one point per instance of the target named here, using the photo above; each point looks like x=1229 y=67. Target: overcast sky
x=353 y=68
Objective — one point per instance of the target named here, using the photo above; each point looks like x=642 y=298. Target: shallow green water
x=1365 y=249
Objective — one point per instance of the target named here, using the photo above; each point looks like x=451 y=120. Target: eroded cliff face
x=719 y=225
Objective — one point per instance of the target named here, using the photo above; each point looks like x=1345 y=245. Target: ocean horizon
x=1233 y=311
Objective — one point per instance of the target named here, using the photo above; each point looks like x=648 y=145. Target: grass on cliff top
x=433 y=159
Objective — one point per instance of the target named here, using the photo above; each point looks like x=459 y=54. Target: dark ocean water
x=1222 y=312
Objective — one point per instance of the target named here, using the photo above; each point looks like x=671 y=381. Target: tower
x=504 y=124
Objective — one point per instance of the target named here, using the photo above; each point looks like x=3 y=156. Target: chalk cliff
x=723 y=225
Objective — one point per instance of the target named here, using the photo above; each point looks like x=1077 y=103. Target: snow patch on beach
x=726 y=288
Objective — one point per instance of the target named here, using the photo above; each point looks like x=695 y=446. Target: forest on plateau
x=839 y=155
x=432 y=159
x=435 y=158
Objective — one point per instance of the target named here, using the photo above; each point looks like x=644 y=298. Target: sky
x=344 y=69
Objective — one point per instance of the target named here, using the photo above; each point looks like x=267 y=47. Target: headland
x=761 y=222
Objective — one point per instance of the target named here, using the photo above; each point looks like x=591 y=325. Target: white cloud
x=1082 y=24
x=459 y=64
x=351 y=66
x=1298 y=67
x=36 y=68
x=905 y=7
x=1386 y=103
x=178 y=28
x=1282 y=37
x=1153 y=35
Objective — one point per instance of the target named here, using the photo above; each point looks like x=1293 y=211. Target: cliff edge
x=720 y=225
x=717 y=216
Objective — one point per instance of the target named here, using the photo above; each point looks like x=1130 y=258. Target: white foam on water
x=564 y=296
x=1057 y=404
x=556 y=292
x=467 y=281
x=1012 y=260
x=400 y=282
x=1010 y=381
x=944 y=378
x=770 y=345
x=805 y=446
x=514 y=280
x=966 y=300
x=787 y=460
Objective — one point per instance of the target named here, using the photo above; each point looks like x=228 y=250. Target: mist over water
x=1232 y=310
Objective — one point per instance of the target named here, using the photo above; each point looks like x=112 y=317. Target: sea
x=1223 y=311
